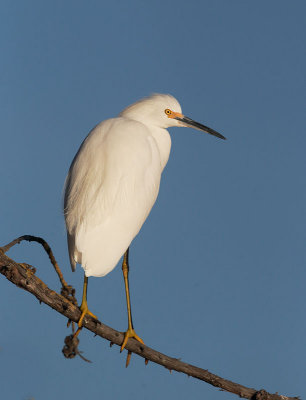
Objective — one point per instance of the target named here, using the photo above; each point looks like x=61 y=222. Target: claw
x=84 y=312
x=130 y=333
x=128 y=359
x=84 y=309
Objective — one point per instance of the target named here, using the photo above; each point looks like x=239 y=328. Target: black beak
x=191 y=123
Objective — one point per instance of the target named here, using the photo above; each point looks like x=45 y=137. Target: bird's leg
x=84 y=307
x=130 y=333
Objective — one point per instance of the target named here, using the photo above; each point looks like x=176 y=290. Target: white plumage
x=114 y=180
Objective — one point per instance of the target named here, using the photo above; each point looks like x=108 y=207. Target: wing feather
x=111 y=187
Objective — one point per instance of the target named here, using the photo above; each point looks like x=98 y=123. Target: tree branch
x=23 y=276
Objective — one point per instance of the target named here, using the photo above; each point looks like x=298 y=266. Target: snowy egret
x=112 y=185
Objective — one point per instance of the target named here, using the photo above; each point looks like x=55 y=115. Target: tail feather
x=74 y=255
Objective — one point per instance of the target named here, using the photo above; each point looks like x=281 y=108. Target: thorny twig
x=67 y=290
x=23 y=275
x=70 y=350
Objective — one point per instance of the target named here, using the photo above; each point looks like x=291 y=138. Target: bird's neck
x=163 y=141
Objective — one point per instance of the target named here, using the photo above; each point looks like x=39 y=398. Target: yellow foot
x=85 y=311
x=130 y=333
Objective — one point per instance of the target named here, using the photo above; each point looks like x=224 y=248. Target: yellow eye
x=167 y=111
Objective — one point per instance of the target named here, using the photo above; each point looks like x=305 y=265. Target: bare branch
x=24 y=277
x=67 y=290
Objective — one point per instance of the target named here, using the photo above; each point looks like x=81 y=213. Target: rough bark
x=23 y=276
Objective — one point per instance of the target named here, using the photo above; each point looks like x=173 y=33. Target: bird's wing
x=111 y=187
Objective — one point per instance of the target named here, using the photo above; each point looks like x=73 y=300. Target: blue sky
x=218 y=271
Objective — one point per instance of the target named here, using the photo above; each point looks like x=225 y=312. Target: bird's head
x=163 y=111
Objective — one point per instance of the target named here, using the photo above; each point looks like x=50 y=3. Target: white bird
x=113 y=183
